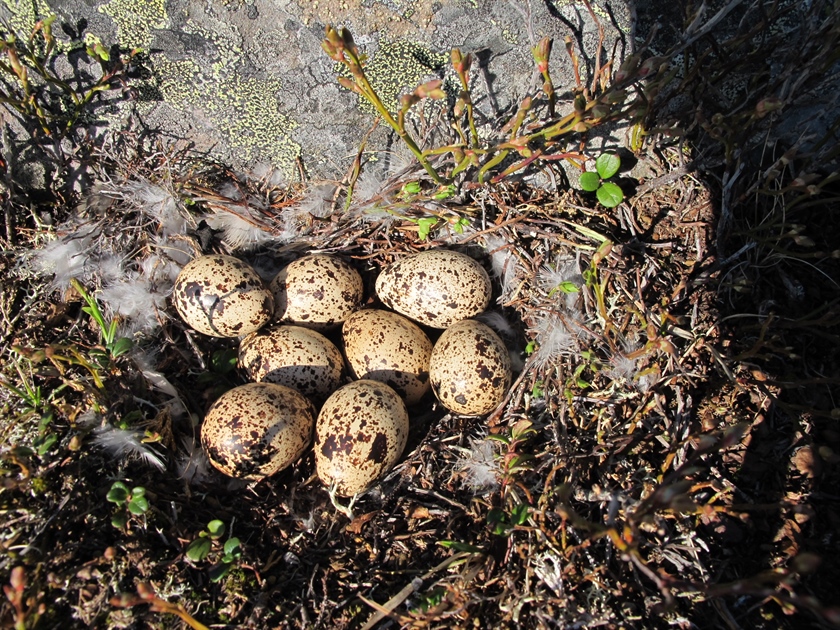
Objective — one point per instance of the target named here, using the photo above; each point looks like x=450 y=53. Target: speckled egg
x=359 y=435
x=316 y=291
x=257 y=429
x=470 y=368
x=436 y=287
x=389 y=348
x=293 y=356
x=222 y=296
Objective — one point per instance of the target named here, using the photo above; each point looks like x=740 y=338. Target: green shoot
x=116 y=346
x=129 y=502
x=199 y=549
x=608 y=193
x=339 y=45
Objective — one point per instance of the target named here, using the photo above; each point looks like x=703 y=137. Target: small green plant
x=503 y=522
x=115 y=346
x=129 y=502
x=31 y=85
x=199 y=549
x=35 y=403
x=526 y=136
x=341 y=48
x=513 y=460
x=608 y=193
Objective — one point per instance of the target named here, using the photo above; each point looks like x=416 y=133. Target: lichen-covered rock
x=248 y=80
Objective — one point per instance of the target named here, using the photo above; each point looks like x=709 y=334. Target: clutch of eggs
x=257 y=429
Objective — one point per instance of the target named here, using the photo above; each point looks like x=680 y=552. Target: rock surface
x=248 y=82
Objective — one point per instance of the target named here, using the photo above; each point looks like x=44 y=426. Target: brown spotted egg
x=294 y=356
x=222 y=296
x=470 y=368
x=437 y=287
x=389 y=348
x=316 y=291
x=359 y=435
x=257 y=429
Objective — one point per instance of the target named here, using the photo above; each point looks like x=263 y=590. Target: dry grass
x=667 y=455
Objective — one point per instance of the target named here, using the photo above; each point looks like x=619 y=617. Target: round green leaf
x=610 y=195
x=607 y=165
x=138 y=505
x=216 y=528
x=118 y=492
x=230 y=546
x=119 y=520
x=589 y=181
x=198 y=549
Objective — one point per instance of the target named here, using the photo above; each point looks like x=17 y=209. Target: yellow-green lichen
x=398 y=67
x=243 y=111
x=135 y=20
x=24 y=14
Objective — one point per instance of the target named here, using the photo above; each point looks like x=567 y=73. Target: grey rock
x=248 y=82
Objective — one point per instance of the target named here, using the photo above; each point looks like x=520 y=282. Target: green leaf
x=216 y=529
x=411 y=188
x=199 y=549
x=564 y=287
x=118 y=493
x=496 y=518
x=607 y=165
x=590 y=181
x=529 y=349
x=460 y=546
x=101 y=52
x=138 y=505
x=460 y=224
x=138 y=492
x=223 y=361
x=519 y=515
x=46 y=443
x=119 y=520
x=444 y=193
x=231 y=546
x=219 y=571
x=120 y=347
x=610 y=195
x=424 y=226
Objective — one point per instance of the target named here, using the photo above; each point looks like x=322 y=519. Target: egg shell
x=317 y=291
x=222 y=296
x=359 y=435
x=470 y=368
x=293 y=356
x=257 y=429
x=389 y=348
x=437 y=287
